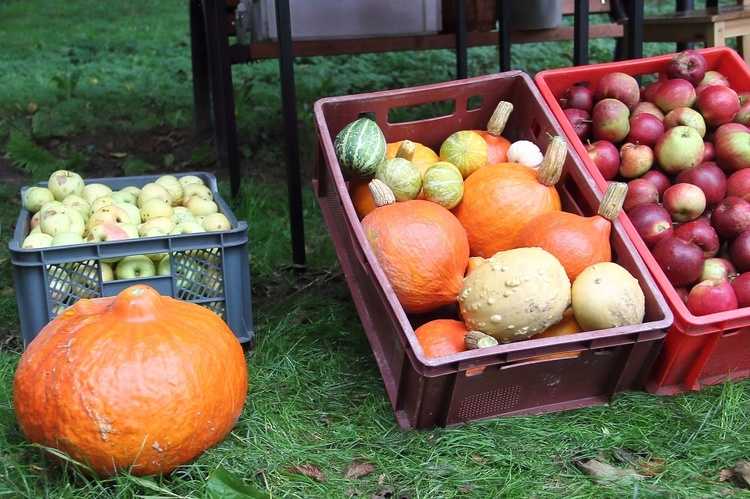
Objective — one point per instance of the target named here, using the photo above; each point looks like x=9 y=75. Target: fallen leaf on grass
x=742 y=471
x=358 y=469
x=605 y=472
x=308 y=470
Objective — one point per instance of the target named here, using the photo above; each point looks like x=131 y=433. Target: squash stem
x=381 y=193
x=499 y=118
x=613 y=199
x=550 y=170
x=406 y=150
x=477 y=339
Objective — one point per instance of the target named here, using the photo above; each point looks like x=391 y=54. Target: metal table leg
x=199 y=58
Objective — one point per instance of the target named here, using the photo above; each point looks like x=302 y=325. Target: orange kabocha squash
x=576 y=241
x=138 y=382
x=421 y=155
x=423 y=250
x=440 y=337
x=497 y=144
x=500 y=199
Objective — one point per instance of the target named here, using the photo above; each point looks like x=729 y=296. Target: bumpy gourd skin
x=137 y=382
x=515 y=294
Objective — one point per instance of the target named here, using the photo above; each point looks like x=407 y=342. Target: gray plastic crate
x=211 y=269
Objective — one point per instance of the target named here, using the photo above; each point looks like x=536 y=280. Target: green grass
x=316 y=395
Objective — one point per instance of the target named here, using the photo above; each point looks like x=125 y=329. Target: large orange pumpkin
x=423 y=251
x=138 y=382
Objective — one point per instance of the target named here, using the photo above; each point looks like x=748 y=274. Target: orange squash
x=567 y=325
x=575 y=240
x=422 y=158
x=138 y=382
x=440 y=337
x=361 y=197
x=500 y=199
x=423 y=250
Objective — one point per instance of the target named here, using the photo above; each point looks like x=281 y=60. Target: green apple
x=65 y=182
x=95 y=190
x=155 y=207
x=153 y=190
x=125 y=196
x=81 y=205
x=186 y=227
x=37 y=240
x=101 y=202
x=190 y=179
x=134 y=267
x=214 y=222
x=199 y=205
x=35 y=197
x=67 y=238
x=196 y=189
x=132 y=210
x=174 y=187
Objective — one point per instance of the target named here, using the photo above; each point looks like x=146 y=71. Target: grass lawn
x=78 y=85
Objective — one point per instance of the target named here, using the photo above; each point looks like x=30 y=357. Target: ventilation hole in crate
x=60 y=292
x=492 y=402
x=729 y=362
x=85 y=279
x=199 y=277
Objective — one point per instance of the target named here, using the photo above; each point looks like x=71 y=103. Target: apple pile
x=70 y=211
x=682 y=143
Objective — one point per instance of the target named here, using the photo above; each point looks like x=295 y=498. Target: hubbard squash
x=500 y=199
x=138 y=382
x=422 y=249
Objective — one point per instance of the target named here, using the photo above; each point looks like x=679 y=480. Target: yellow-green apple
x=37 y=240
x=640 y=191
x=610 y=120
x=153 y=190
x=110 y=213
x=61 y=219
x=717 y=268
x=652 y=222
x=190 y=179
x=131 y=229
x=155 y=207
x=718 y=105
x=132 y=210
x=635 y=160
x=163 y=224
x=215 y=222
x=94 y=190
x=732 y=150
x=135 y=267
x=179 y=216
x=164 y=267
x=59 y=284
x=106 y=231
x=108 y=273
x=125 y=196
x=701 y=232
x=684 y=201
x=673 y=94
x=685 y=116
x=689 y=65
x=679 y=148
x=731 y=217
x=711 y=296
x=133 y=189
x=579 y=97
x=196 y=189
x=101 y=202
x=605 y=156
x=152 y=232
x=65 y=182
x=174 y=187
x=35 y=197
x=66 y=239
x=645 y=129
x=187 y=227
x=680 y=260
x=81 y=205
x=620 y=86
x=709 y=177
x=199 y=205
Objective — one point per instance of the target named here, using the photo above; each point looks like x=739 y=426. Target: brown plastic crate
x=451 y=390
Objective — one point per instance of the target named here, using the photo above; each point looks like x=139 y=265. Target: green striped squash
x=404 y=179
x=360 y=147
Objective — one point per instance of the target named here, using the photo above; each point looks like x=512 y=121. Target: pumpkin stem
x=499 y=118
x=550 y=170
x=138 y=303
x=406 y=150
x=613 y=199
x=477 y=339
x=381 y=193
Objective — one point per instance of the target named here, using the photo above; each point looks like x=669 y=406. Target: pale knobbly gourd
x=515 y=294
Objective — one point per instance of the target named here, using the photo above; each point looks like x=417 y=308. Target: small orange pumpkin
x=500 y=199
x=567 y=325
x=422 y=158
x=138 y=382
x=440 y=337
x=359 y=192
x=422 y=249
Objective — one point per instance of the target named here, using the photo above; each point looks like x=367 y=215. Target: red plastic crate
x=503 y=380
x=699 y=350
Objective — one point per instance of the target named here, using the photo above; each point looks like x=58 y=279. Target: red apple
x=689 y=65
x=711 y=296
x=645 y=129
x=647 y=107
x=649 y=91
x=682 y=294
x=739 y=251
x=709 y=152
x=718 y=105
x=729 y=127
x=741 y=286
x=679 y=148
x=733 y=150
x=731 y=217
x=652 y=222
x=580 y=120
x=659 y=179
x=578 y=97
x=610 y=120
x=685 y=116
x=684 y=201
x=620 y=86
x=635 y=160
x=700 y=232
x=717 y=268
x=640 y=191
x=713 y=77
x=605 y=156
x=674 y=93
x=738 y=184
x=710 y=178
x=681 y=261
x=743 y=114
